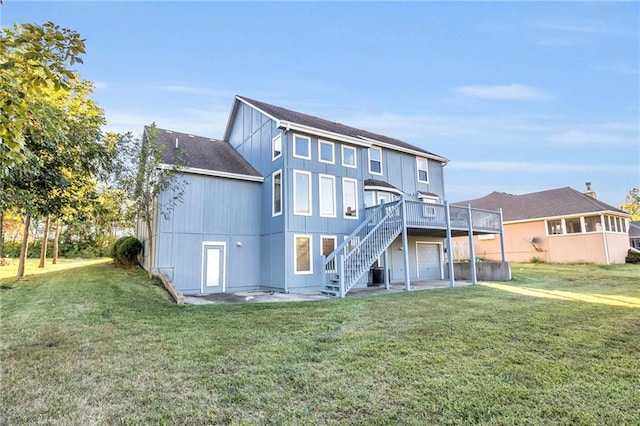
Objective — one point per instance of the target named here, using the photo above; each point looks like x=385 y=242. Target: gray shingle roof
x=634 y=229
x=203 y=153
x=284 y=114
x=551 y=203
x=379 y=183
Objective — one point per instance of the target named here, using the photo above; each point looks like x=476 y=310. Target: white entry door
x=429 y=265
x=213 y=267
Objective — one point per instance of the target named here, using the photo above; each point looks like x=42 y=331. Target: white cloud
x=595 y=136
x=540 y=167
x=210 y=123
x=508 y=92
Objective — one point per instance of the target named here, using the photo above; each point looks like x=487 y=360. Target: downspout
x=449 y=244
x=604 y=239
x=285 y=185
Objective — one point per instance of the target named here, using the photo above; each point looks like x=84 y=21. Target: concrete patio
x=263 y=296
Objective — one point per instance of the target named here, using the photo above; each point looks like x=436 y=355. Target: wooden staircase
x=354 y=257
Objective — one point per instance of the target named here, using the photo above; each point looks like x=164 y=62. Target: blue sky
x=520 y=97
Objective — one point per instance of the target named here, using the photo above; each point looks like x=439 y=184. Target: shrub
x=116 y=245
x=633 y=256
x=128 y=251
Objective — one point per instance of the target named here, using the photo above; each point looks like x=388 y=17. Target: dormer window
x=375 y=161
x=423 y=170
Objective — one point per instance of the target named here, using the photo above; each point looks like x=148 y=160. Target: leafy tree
x=152 y=187
x=631 y=204
x=64 y=151
x=33 y=58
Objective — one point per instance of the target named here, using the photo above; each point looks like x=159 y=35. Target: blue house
x=290 y=202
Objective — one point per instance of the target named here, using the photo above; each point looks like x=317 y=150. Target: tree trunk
x=150 y=238
x=45 y=240
x=56 y=237
x=1 y=233
x=23 y=249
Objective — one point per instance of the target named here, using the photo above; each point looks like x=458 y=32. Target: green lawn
x=87 y=344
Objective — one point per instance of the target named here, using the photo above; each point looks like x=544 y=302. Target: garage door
x=428 y=261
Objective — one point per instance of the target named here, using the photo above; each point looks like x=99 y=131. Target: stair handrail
x=343 y=244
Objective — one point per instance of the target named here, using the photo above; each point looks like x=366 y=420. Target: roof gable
x=316 y=123
x=537 y=205
x=203 y=153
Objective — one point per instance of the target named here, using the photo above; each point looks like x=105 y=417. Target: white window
x=350 y=198
x=302 y=147
x=573 y=225
x=327 y=195
x=328 y=246
x=276 y=186
x=554 y=227
x=423 y=170
x=349 y=156
x=375 y=161
x=326 y=152
x=592 y=224
x=303 y=254
x=276 y=147
x=301 y=193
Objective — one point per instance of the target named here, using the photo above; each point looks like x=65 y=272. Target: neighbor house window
x=554 y=227
x=327 y=195
x=573 y=225
x=276 y=146
x=349 y=156
x=301 y=193
x=423 y=170
x=326 y=152
x=302 y=147
x=375 y=161
x=350 y=198
x=277 y=193
x=592 y=224
x=303 y=254
x=328 y=246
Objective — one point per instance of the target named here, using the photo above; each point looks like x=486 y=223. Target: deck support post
x=449 y=244
x=502 y=249
x=472 y=249
x=386 y=271
x=405 y=247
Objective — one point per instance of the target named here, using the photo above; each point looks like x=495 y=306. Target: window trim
x=333 y=152
x=273 y=193
x=375 y=148
x=344 y=211
x=295 y=154
x=295 y=254
x=335 y=246
x=418 y=159
x=333 y=189
x=295 y=193
x=274 y=157
x=355 y=156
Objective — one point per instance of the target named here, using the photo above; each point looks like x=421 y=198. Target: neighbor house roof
x=634 y=229
x=538 y=205
x=204 y=155
x=287 y=118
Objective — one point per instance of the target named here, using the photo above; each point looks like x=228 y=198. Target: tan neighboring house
x=556 y=226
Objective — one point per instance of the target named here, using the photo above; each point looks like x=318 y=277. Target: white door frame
x=440 y=257
x=223 y=264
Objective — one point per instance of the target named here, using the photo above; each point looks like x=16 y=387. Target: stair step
x=331 y=293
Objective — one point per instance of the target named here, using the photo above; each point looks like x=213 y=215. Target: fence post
x=502 y=249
